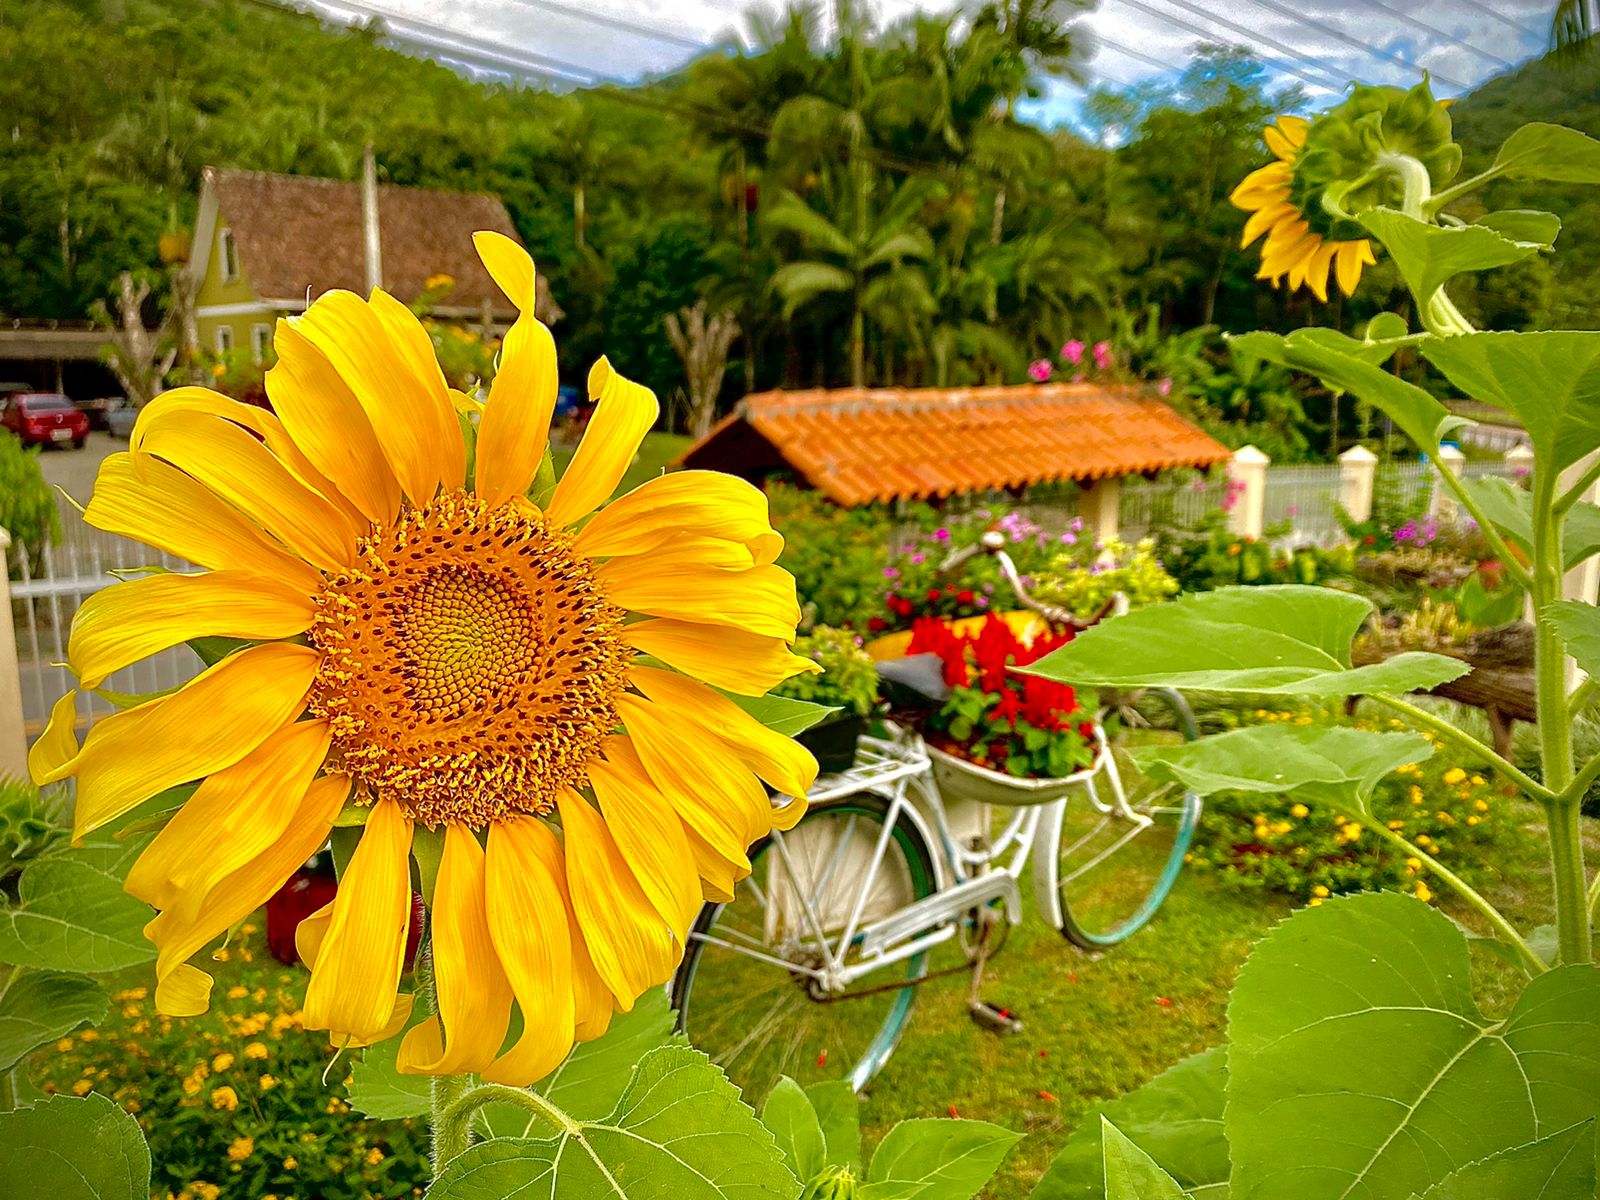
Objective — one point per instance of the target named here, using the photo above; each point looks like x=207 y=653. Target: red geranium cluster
x=996 y=717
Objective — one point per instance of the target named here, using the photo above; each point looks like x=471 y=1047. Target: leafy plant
x=27 y=505
x=848 y=678
x=1085 y=577
x=1448 y=1100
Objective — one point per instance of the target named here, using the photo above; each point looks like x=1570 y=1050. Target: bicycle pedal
x=993 y=1018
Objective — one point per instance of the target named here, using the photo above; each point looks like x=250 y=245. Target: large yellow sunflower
x=431 y=651
x=1294 y=250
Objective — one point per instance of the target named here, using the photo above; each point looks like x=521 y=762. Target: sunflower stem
x=450 y=1135
x=466 y=1105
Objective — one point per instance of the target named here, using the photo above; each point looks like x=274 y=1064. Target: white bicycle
x=811 y=971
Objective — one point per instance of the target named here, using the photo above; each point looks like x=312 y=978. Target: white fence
x=48 y=583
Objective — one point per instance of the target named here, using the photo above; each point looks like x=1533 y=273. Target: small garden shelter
x=861 y=445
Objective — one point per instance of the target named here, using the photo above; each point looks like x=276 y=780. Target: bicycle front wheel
x=749 y=992
x=1122 y=837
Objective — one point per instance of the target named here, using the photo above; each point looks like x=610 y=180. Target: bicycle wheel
x=1099 y=875
x=747 y=992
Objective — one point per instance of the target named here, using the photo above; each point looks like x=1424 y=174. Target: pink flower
x=941 y=535
x=1102 y=355
x=1039 y=370
x=1165 y=386
x=1072 y=352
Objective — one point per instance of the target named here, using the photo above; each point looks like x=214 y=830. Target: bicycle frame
x=899 y=770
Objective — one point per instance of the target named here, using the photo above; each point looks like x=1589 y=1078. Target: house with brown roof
x=861 y=445
x=265 y=245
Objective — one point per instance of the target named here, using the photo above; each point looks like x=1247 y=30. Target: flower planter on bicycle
x=909 y=862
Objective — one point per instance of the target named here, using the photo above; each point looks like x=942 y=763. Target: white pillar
x=1519 y=460
x=13 y=739
x=1248 y=488
x=1583 y=581
x=1101 y=506
x=1358 y=469
x=1442 y=505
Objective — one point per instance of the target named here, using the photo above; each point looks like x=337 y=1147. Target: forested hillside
x=865 y=207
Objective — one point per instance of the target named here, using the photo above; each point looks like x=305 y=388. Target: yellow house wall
x=214 y=290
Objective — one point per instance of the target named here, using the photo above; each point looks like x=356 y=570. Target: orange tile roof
x=858 y=445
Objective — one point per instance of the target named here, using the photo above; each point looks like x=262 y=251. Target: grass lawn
x=657 y=451
x=1094 y=1025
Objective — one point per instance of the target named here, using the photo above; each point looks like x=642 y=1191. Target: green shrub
x=1083 y=578
x=1208 y=555
x=233 y=1102
x=27 y=505
x=848 y=679
x=1441 y=804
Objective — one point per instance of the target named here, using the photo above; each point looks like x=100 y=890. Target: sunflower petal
x=532 y=939
x=122 y=624
x=179 y=935
x=716 y=797
x=51 y=755
x=623 y=415
x=233 y=817
x=356 y=974
x=243 y=472
x=632 y=946
x=329 y=424
x=516 y=422
x=159 y=505
x=781 y=761
x=474 y=994
x=747 y=663
x=414 y=423
x=510 y=266
x=1281 y=146
x=1262 y=221
x=184 y=992
x=593 y=1000
x=708 y=503
x=415 y=348
x=648 y=833
x=759 y=600
x=210 y=723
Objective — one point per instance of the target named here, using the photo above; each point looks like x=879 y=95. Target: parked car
x=44 y=417
x=98 y=409
x=120 y=418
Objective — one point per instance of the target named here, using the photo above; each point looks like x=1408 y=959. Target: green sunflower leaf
x=782 y=714
x=1510 y=509
x=1384 y=970
x=679 y=1131
x=1131 y=1174
x=72 y=1148
x=71 y=913
x=1559 y=1165
x=1282 y=640
x=793 y=1122
x=940 y=1158
x=38 y=1007
x=1550 y=152
x=1430 y=255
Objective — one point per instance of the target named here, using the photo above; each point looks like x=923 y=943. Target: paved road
x=74 y=470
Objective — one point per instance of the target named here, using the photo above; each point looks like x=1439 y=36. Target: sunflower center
x=470 y=662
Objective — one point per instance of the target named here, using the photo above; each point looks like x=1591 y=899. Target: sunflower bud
x=1331 y=169
x=836 y=1183
x=1340 y=160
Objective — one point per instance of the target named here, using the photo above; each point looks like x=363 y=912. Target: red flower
x=877 y=624
x=964 y=596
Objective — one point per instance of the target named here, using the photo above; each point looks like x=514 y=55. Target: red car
x=40 y=417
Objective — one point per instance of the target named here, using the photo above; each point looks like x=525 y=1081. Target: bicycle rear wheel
x=1099 y=875
x=747 y=993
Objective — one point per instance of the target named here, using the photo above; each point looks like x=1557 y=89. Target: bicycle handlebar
x=994 y=542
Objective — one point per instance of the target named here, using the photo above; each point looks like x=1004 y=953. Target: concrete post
x=13 y=739
x=1442 y=506
x=1519 y=459
x=1101 y=506
x=1358 y=470
x=1247 y=488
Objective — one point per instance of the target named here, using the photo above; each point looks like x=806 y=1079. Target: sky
x=1461 y=42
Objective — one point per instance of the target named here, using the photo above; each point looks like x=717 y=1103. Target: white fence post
x=1519 y=461
x=1358 y=469
x=1248 y=485
x=1442 y=505
x=1101 y=506
x=13 y=734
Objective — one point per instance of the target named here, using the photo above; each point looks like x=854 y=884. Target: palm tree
x=870 y=259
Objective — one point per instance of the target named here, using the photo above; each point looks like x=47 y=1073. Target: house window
x=224 y=339
x=230 y=256
x=260 y=340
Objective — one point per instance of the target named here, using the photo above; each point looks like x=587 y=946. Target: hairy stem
x=1504 y=930
x=1455 y=192
x=1555 y=732
x=450 y=1137
x=461 y=1112
x=1479 y=750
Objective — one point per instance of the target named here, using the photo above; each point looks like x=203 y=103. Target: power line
x=1356 y=43
x=1437 y=32
x=613 y=22
x=1128 y=52
x=1340 y=78
x=1489 y=11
